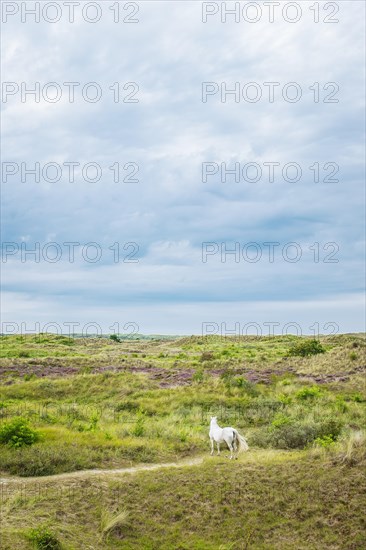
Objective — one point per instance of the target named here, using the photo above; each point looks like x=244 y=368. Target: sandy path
x=87 y=474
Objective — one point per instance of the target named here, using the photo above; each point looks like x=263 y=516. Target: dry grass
x=266 y=499
x=353 y=448
x=113 y=524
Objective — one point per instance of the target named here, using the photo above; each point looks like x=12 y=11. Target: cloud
x=170 y=212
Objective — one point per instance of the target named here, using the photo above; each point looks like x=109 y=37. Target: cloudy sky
x=161 y=230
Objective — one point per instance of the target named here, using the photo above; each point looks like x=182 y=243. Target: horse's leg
x=212 y=447
x=236 y=446
x=231 y=447
x=237 y=449
x=218 y=447
x=229 y=442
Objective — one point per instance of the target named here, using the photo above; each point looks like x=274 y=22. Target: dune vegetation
x=72 y=404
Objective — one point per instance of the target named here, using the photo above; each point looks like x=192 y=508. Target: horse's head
x=213 y=419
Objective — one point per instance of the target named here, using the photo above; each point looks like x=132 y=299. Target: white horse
x=230 y=436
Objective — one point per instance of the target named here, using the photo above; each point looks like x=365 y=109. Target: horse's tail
x=241 y=442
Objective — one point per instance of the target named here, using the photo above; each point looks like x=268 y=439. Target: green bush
x=309 y=393
x=248 y=386
x=306 y=348
x=18 y=433
x=43 y=539
x=231 y=380
x=28 y=377
x=260 y=411
x=357 y=397
x=114 y=337
x=280 y=420
x=325 y=441
x=285 y=399
x=294 y=434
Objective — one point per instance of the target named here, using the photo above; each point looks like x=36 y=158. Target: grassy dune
x=267 y=499
x=96 y=403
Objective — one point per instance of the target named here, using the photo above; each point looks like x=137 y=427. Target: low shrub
x=294 y=434
x=28 y=377
x=285 y=399
x=232 y=380
x=18 y=433
x=309 y=393
x=260 y=411
x=306 y=348
x=325 y=441
x=43 y=539
x=249 y=387
x=280 y=420
x=356 y=397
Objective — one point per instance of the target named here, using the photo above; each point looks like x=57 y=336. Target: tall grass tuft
x=353 y=448
x=113 y=524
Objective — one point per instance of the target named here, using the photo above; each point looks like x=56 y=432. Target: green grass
x=111 y=419
x=107 y=404
x=280 y=500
